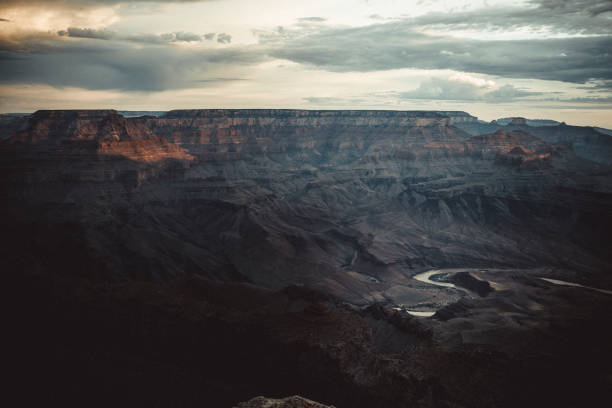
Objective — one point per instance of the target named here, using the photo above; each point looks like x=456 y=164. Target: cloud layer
x=94 y=64
x=552 y=51
x=551 y=16
x=398 y=45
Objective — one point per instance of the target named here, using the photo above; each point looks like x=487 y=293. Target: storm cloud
x=398 y=45
x=92 y=64
x=557 y=16
x=569 y=41
x=592 y=7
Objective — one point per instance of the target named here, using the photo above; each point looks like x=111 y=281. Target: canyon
x=274 y=252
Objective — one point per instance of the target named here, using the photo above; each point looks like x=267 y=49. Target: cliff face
x=587 y=142
x=55 y=127
x=87 y=146
x=459 y=117
x=352 y=202
x=97 y=133
x=227 y=134
x=11 y=123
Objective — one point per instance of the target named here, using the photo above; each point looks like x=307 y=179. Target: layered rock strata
x=352 y=202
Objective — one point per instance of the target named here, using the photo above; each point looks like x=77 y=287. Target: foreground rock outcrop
x=289 y=402
x=195 y=342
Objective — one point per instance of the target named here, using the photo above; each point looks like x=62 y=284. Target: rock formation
x=589 y=143
x=352 y=202
x=202 y=248
x=289 y=402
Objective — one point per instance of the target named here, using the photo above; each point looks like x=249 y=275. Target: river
x=576 y=285
x=425 y=277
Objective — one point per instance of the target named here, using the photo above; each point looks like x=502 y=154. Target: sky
x=492 y=58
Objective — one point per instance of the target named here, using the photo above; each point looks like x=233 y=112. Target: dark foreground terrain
x=202 y=258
